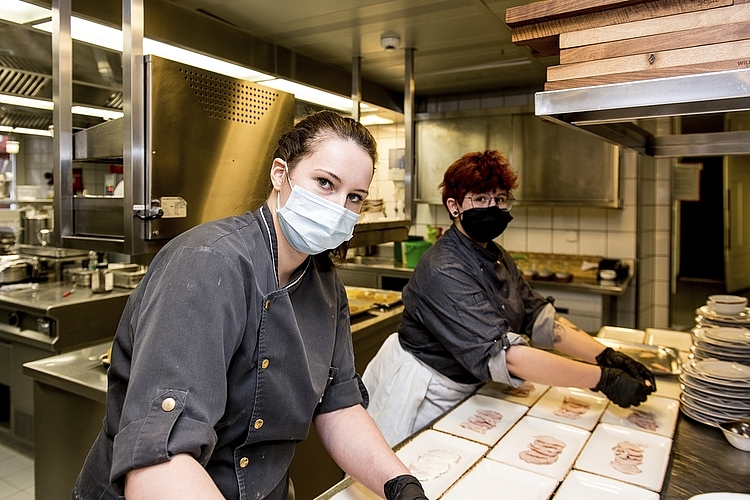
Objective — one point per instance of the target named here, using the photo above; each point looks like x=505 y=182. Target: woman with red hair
x=468 y=314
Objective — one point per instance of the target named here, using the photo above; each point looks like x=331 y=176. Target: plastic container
x=398 y=247
x=413 y=251
x=28 y=192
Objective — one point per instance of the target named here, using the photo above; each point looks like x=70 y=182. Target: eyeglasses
x=503 y=201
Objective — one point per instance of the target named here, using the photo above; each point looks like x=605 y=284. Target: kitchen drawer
x=5 y=354
x=358 y=278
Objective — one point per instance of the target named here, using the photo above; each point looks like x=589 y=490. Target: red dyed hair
x=477 y=172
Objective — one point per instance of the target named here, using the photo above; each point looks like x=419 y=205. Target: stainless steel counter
x=385 y=266
x=77 y=372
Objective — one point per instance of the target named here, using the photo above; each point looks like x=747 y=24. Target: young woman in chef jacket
x=239 y=337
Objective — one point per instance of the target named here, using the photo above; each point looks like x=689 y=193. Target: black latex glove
x=614 y=359
x=404 y=487
x=621 y=388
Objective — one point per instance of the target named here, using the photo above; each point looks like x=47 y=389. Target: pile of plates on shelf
x=724 y=310
x=724 y=343
x=715 y=391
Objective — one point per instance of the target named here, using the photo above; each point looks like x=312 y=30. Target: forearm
x=181 y=478
x=353 y=440
x=571 y=340
x=542 y=367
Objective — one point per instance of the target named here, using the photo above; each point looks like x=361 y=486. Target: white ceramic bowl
x=737 y=433
x=729 y=305
x=607 y=274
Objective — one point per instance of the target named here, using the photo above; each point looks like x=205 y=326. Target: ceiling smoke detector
x=390 y=42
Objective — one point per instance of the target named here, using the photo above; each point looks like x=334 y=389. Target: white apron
x=405 y=394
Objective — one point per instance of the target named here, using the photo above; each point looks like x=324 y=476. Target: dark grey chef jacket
x=462 y=303
x=211 y=358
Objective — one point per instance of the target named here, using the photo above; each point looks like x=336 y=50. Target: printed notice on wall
x=686 y=181
x=174 y=207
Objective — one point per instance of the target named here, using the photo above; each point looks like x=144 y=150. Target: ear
x=452 y=207
x=278 y=173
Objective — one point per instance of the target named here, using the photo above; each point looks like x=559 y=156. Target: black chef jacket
x=461 y=302
x=211 y=358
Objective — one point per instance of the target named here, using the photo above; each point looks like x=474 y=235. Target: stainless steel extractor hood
x=613 y=111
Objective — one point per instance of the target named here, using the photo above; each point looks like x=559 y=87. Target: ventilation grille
x=230 y=100
x=14 y=116
x=115 y=100
x=21 y=76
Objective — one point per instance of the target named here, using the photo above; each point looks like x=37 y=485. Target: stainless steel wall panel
x=209 y=142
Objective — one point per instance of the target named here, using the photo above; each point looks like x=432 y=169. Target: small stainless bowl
x=737 y=433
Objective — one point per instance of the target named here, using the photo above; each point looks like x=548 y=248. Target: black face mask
x=485 y=224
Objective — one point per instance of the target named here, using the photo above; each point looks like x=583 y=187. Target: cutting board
x=543 y=37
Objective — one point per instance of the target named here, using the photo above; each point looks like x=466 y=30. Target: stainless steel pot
x=14 y=268
x=32 y=225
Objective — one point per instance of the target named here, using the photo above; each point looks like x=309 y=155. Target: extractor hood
x=614 y=111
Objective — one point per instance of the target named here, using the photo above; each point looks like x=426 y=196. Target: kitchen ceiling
x=460 y=46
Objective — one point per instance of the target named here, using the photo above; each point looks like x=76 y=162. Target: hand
x=621 y=388
x=614 y=359
x=404 y=487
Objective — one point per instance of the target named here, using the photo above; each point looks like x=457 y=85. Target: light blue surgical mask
x=312 y=224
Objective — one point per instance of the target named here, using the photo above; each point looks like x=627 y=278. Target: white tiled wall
x=388 y=137
x=33 y=160
x=654 y=244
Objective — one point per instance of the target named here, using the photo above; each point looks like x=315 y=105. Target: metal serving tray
x=660 y=360
x=375 y=296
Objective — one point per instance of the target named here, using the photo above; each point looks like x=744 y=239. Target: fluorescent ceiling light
x=107 y=114
x=313 y=95
x=90 y=32
x=27 y=131
x=27 y=102
x=200 y=61
x=374 y=120
x=20 y=12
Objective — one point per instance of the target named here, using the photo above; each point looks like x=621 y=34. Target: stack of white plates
x=724 y=343
x=715 y=391
x=706 y=316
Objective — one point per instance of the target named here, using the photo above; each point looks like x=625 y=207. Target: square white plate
x=355 y=491
x=525 y=432
x=568 y=405
x=526 y=395
x=663 y=410
x=579 y=485
x=457 y=422
x=598 y=455
x=490 y=480
x=438 y=459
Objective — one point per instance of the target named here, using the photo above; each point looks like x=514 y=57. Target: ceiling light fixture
x=29 y=102
x=26 y=131
x=20 y=12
